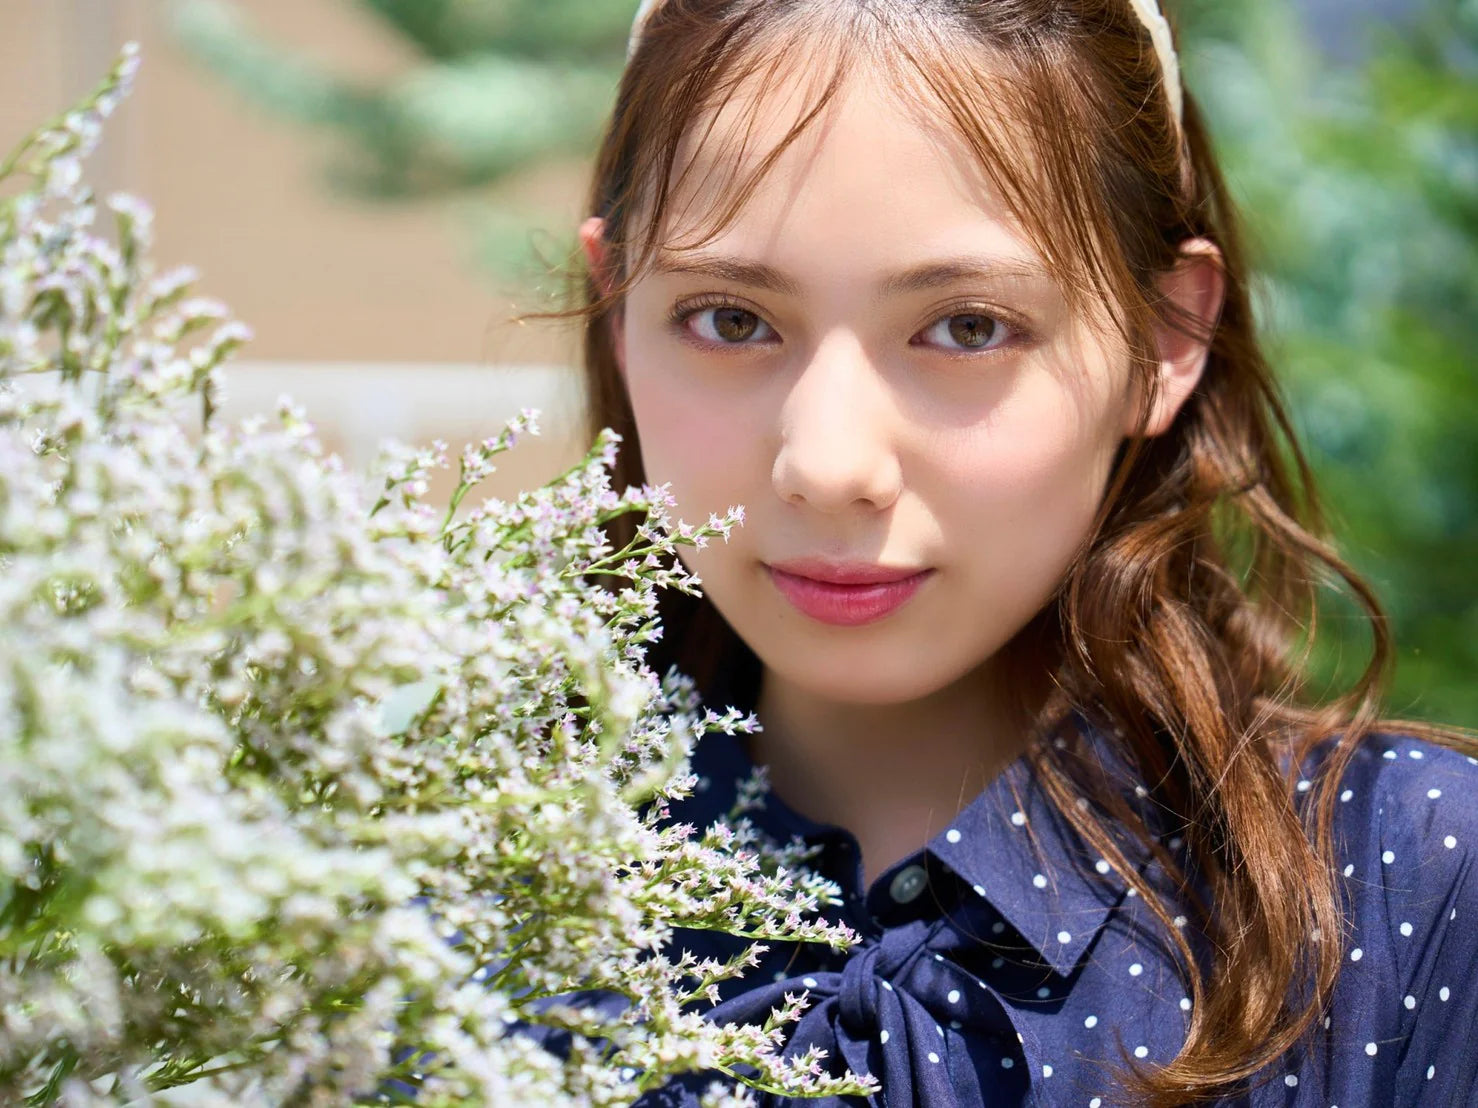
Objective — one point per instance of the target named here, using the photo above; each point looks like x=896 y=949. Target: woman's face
x=868 y=360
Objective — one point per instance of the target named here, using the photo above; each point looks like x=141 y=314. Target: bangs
x=1012 y=108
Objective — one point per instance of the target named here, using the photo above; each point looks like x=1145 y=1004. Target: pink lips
x=850 y=595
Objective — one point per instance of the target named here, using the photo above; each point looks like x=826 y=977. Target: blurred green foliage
x=494 y=87
x=1360 y=187
x=1359 y=183
x=499 y=84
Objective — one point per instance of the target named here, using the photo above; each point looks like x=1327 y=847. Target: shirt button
x=907 y=884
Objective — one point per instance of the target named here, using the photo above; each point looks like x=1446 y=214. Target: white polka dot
x=1141 y=1051
x=1305 y=785
x=1135 y=970
x=1370 y=1049
x=1356 y=954
x=1179 y=921
x=1406 y=929
x=1039 y=881
x=996 y=963
x=780 y=975
x=1327 y=1020
x=1346 y=796
x=979 y=890
x=952 y=835
x=1185 y=1004
x=1391 y=754
x=1064 y=937
x=997 y=927
x=1316 y=934
x=1388 y=856
x=939 y=1030
x=1414 y=753
x=883 y=1037
x=1043 y=993
x=1449 y=842
x=1140 y=791
x=888 y=985
x=1443 y=993
x=1433 y=794
x=939 y=957
x=933 y=1057
x=1046 y=1069
x=1007 y=1063
x=1176 y=843
x=954 y=996
x=1091 y=1021
x=1431 y=1072
x=808 y=982
x=1410 y=1002
x=1290 y=1080
x=1102 y=866
x=1018 y=818
x=954 y=1025
x=1082 y=803
x=1132 y=892
x=1349 y=869
x=1094 y=1103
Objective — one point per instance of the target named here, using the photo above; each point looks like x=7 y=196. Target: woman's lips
x=846 y=605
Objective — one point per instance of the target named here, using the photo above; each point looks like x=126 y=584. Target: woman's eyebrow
x=727 y=268
x=919 y=278
x=949 y=271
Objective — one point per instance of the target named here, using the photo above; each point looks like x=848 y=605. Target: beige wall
x=387 y=294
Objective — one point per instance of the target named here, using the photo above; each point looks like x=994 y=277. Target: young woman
x=949 y=294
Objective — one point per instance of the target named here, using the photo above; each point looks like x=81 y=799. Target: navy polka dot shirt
x=1006 y=964
x=1001 y=965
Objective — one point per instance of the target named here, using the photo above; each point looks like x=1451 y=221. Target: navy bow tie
x=902 y=1009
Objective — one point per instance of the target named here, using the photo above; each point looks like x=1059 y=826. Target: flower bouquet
x=311 y=790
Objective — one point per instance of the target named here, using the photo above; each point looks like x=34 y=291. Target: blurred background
x=378 y=186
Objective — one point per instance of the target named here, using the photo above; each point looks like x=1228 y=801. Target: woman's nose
x=837 y=431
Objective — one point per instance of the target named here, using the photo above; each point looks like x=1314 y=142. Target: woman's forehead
x=874 y=145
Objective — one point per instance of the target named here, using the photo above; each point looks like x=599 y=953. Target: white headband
x=1147 y=10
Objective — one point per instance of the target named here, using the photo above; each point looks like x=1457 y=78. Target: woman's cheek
x=1028 y=503
x=691 y=440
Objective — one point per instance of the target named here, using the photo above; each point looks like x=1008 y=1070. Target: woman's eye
x=968 y=330
x=726 y=324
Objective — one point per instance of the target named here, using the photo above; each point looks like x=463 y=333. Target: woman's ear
x=1198 y=286
x=597 y=258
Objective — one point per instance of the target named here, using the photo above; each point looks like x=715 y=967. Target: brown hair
x=1184 y=626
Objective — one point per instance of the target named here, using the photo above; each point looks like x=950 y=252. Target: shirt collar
x=1015 y=849
x=1010 y=844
